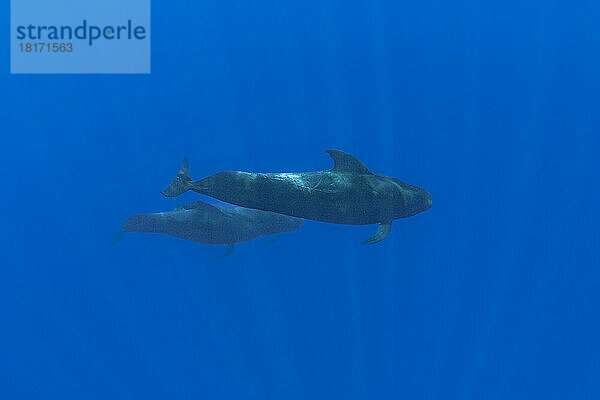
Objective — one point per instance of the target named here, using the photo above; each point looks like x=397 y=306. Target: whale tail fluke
x=181 y=183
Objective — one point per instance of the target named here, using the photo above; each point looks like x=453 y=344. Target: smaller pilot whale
x=347 y=194
x=212 y=224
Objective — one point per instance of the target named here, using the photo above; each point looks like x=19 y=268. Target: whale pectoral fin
x=228 y=251
x=117 y=235
x=383 y=230
x=274 y=238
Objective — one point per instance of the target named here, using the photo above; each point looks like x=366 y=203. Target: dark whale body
x=205 y=223
x=347 y=194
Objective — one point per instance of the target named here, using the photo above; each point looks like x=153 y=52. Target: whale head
x=408 y=200
x=265 y=222
x=422 y=200
x=274 y=223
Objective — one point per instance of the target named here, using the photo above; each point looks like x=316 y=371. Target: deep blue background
x=492 y=294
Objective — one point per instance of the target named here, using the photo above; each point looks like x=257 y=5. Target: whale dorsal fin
x=344 y=162
x=198 y=205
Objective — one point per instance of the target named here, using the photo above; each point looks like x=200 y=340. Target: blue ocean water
x=491 y=294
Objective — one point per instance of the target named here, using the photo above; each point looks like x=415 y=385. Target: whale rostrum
x=347 y=194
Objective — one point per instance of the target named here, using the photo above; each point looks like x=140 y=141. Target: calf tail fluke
x=181 y=183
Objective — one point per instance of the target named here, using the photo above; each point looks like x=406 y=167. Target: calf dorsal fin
x=199 y=204
x=344 y=162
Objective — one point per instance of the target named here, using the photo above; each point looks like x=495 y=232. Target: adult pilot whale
x=346 y=194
